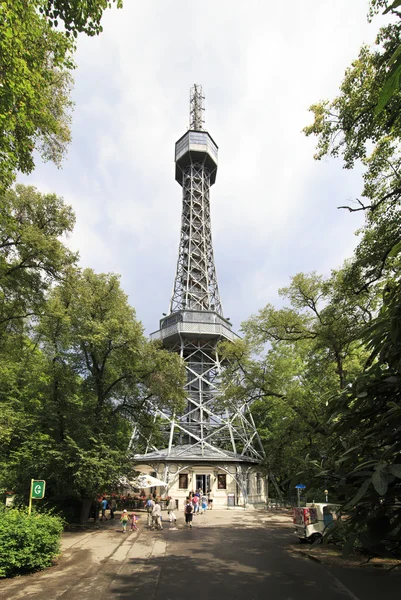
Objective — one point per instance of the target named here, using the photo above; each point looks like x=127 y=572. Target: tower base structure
x=213 y=446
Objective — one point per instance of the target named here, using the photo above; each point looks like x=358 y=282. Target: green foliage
x=350 y=126
x=35 y=105
x=76 y=372
x=364 y=419
x=392 y=83
x=31 y=254
x=77 y=16
x=365 y=440
x=36 y=65
x=292 y=361
x=97 y=376
x=27 y=543
x=323 y=312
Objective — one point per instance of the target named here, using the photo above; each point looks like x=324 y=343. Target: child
x=134 y=520
x=124 y=520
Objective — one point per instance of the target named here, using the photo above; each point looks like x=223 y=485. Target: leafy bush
x=27 y=543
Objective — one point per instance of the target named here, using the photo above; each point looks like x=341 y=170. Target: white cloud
x=273 y=207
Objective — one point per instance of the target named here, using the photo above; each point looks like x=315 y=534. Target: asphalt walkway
x=227 y=555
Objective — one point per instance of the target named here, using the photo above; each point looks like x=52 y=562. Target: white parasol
x=146 y=481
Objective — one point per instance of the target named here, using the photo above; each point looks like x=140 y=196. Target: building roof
x=192 y=453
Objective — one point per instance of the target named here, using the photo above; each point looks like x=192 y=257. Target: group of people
x=154 y=513
x=201 y=501
x=197 y=503
x=98 y=508
x=125 y=519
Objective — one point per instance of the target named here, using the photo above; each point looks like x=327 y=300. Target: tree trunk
x=85 y=508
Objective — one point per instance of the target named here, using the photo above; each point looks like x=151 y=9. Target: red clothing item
x=195 y=499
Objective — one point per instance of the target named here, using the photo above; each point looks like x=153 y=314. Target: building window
x=221 y=482
x=258 y=484
x=183 y=481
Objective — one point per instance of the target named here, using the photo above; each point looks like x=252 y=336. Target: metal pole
x=30 y=498
x=299 y=496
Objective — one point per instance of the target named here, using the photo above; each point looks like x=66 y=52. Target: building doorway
x=203 y=483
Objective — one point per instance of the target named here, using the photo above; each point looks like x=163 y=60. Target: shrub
x=27 y=543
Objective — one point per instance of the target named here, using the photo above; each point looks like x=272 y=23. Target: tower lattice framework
x=195 y=325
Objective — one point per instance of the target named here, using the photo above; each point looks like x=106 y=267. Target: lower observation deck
x=194 y=324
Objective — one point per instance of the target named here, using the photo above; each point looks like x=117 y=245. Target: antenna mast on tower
x=196 y=108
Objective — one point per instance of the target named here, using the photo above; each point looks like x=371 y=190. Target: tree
x=32 y=256
x=308 y=351
x=365 y=423
x=35 y=105
x=321 y=311
x=349 y=126
x=35 y=72
x=364 y=419
x=97 y=376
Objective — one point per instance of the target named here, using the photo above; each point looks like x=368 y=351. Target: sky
x=274 y=208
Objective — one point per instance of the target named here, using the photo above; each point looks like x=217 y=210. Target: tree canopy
x=36 y=67
x=364 y=419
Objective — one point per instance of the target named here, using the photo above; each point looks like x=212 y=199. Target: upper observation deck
x=196 y=147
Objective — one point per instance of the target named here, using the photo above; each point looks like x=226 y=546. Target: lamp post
x=326 y=491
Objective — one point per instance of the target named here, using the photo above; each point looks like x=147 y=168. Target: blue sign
x=300 y=486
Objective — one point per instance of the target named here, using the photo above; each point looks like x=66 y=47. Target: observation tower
x=212 y=446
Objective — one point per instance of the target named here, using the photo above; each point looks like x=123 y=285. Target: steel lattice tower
x=207 y=431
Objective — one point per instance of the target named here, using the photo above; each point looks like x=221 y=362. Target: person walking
x=134 y=520
x=150 y=503
x=204 y=503
x=124 y=520
x=210 y=499
x=157 y=516
x=188 y=511
x=104 y=506
x=195 y=502
x=170 y=511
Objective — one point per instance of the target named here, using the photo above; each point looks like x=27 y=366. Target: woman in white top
x=170 y=510
x=157 y=516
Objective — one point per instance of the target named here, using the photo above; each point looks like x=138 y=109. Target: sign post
x=37 y=492
x=299 y=487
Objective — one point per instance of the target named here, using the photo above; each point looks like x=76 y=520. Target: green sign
x=38 y=489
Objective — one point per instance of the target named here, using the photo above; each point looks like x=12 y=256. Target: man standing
x=150 y=504
x=104 y=505
x=210 y=499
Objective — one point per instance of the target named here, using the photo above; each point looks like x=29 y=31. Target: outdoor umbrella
x=146 y=481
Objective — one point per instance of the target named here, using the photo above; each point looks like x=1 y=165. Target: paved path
x=227 y=555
